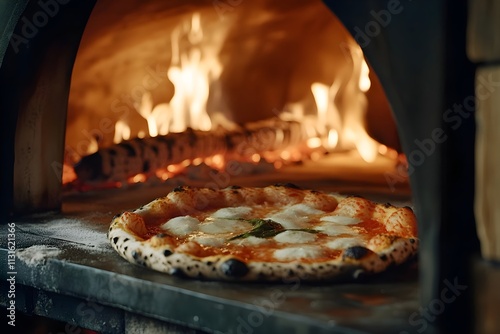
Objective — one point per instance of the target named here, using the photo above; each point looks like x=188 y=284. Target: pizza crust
x=342 y=251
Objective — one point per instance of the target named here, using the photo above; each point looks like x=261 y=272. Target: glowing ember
x=255 y=157
x=68 y=174
x=137 y=178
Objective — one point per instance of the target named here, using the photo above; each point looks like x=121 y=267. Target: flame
x=93 y=146
x=333 y=139
x=192 y=70
x=345 y=129
x=191 y=73
x=195 y=66
x=364 y=78
x=366 y=146
x=158 y=118
x=122 y=131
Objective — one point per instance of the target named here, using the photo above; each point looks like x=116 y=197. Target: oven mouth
x=210 y=90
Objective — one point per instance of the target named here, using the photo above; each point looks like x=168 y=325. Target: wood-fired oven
x=282 y=88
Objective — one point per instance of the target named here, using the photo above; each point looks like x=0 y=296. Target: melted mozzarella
x=341 y=220
x=181 y=226
x=289 y=220
x=233 y=212
x=188 y=247
x=295 y=253
x=333 y=229
x=294 y=216
x=250 y=241
x=207 y=240
x=295 y=237
x=343 y=243
x=303 y=210
x=219 y=226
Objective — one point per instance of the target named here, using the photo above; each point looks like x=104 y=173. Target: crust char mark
x=353 y=262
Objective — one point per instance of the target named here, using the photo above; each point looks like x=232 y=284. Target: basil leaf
x=308 y=230
x=263 y=228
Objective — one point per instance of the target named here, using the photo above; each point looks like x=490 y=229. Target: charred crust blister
x=355 y=252
x=167 y=252
x=135 y=254
x=234 y=268
x=117 y=215
x=287 y=185
x=178 y=189
x=178 y=272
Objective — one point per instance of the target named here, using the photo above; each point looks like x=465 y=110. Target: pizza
x=265 y=234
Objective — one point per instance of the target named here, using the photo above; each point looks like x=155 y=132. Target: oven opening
x=184 y=94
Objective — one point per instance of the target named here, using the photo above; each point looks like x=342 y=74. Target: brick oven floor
x=66 y=270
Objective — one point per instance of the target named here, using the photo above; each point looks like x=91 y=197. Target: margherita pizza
x=265 y=234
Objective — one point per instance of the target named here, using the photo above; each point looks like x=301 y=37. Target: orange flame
x=195 y=66
x=344 y=129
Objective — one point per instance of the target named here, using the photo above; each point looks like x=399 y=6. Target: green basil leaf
x=263 y=228
x=308 y=230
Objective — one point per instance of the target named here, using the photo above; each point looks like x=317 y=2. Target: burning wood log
x=131 y=157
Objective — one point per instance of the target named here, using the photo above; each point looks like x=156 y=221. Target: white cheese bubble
x=295 y=237
x=296 y=253
x=181 y=226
